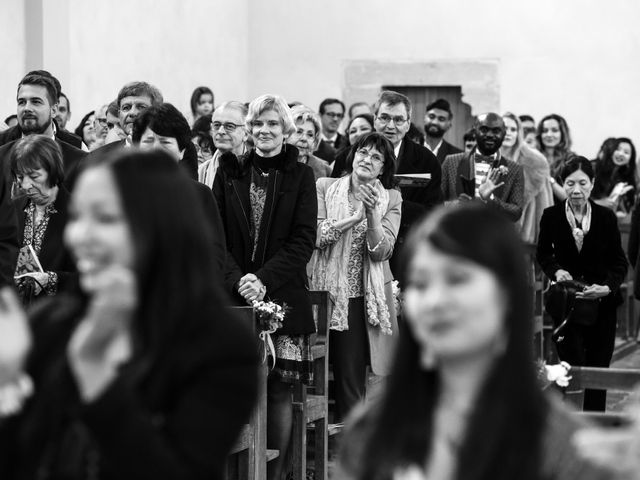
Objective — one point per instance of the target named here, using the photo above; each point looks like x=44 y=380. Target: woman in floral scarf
x=358 y=221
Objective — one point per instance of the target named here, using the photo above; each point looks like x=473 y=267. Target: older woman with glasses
x=306 y=138
x=358 y=222
x=267 y=201
x=229 y=135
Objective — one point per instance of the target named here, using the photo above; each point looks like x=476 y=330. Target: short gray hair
x=392 y=98
x=301 y=114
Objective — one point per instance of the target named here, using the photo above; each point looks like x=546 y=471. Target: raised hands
x=492 y=182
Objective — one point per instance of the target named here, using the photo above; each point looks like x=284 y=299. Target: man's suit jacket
x=15 y=132
x=457 y=177
x=72 y=158
x=445 y=150
x=416 y=201
x=327 y=152
x=9 y=242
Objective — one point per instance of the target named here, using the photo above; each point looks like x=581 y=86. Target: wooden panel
x=604 y=378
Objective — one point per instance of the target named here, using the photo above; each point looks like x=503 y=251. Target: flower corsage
x=554 y=374
x=270 y=316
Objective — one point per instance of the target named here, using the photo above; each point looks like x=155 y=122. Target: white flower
x=559 y=373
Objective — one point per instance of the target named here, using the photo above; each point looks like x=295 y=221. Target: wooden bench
x=310 y=402
x=249 y=456
x=615 y=379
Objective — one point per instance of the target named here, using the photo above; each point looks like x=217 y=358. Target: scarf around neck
x=329 y=265
x=578 y=232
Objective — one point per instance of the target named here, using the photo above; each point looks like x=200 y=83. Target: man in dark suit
x=37 y=104
x=18 y=130
x=393 y=119
x=437 y=121
x=483 y=174
x=331 y=112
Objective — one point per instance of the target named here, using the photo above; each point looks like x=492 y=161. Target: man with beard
x=37 y=101
x=483 y=174
x=437 y=121
x=15 y=132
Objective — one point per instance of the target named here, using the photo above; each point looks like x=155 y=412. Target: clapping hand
x=620 y=189
x=369 y=196
x=491 y=183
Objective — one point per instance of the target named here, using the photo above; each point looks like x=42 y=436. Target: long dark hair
x=608 y=173
x=384 y=146
x=175 y=274
x=503 y=436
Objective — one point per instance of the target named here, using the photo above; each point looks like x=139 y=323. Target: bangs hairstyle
x=195 y=97
x=37 y=151
x=138 y=89
x=165 y=120
x=366 y=116
x=401 y=429
x=176 y=281
x=385 y=147
x=271 y=102
x=565 y=135
x=302 y=114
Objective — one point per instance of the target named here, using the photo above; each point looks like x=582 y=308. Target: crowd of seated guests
x=285 y=197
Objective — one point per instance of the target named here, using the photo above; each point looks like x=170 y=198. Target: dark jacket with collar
x=601 y=259
x=15 y=132
x=457 y=179
x=445 y=150
x=287 y=232
x=9 y=240
x=54 y=256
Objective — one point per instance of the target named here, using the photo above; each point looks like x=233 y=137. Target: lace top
x=34 y=235
x=257 y=197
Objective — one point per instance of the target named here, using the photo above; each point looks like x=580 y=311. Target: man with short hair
x=437 y=121
x=115 y=132
x=133 y=99
x=15 y=132
x=100 y=125
x=37 y=99
x=527 y=121
x=331 y=112
x=64 y=111
x=483 y=174
x=392 y=118
x=359 y=108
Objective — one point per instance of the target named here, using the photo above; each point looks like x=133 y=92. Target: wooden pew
x=249 y=456
x=616 y=379
x=310 y=403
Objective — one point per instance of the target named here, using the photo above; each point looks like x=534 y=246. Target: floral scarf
x=328 y=265
x=578 y=232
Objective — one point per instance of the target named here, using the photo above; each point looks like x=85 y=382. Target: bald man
x=483 y=174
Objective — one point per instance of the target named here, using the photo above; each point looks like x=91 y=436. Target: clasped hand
x=591 y=292
x=251 y=288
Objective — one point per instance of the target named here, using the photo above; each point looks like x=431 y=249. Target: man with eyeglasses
x=229 y=135
x=331 y=112
x=392 y=118
x=100 y=125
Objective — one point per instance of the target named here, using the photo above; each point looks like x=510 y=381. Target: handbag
x=564 y=308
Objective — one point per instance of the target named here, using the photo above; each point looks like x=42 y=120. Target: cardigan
x=287 y=233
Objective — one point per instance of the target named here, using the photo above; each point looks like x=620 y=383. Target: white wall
x=579 y=58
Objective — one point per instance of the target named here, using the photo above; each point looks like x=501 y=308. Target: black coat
x=54 y=256
x=633 y=249
x=9 y=240
x=446 y=149
x=601 y=259
x=15 y=132
x=212 y=212
x=179 y=423
x=287 y=233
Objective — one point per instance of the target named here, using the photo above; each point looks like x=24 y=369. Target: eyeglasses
x=385 y=119
x=229 y=127
x=334 y=115
x=102 y=122
x=374 y=157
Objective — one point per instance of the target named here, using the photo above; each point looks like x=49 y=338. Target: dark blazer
x=15 y=132
x=416 y=201
x=179 y=423
x=325 y=151
x=9 y=242
x=72 y=158
x=601 y=260
x=340 y=163
x=445 y=150
x=54 y=256
x=633 y=248
x=109 y=148
x=212 y=212
x=287 y=233
x=457 y=179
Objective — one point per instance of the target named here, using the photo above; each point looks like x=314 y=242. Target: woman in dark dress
x=580 y=240
x=267 y=201
x=144 y=375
